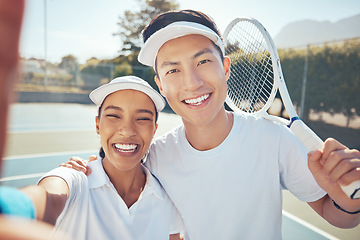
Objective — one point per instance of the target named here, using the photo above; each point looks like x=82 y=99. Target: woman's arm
x=49 y=198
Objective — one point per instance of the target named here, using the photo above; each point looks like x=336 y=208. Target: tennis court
x=26 y=170
x=44 y=135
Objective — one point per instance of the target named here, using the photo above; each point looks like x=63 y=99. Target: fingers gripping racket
x=255 y=78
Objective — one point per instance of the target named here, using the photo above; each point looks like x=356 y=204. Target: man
x=224 y=176
x=222 y=172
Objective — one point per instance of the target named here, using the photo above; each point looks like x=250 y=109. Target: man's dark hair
x=164 y=19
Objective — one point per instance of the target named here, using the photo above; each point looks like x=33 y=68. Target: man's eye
x=171 y=71
x=203 y=61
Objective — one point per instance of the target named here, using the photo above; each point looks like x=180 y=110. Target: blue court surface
x=26 y=170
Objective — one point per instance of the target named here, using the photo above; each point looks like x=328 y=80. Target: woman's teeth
x=126 y=147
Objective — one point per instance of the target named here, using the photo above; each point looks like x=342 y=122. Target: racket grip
x=306 y=135
x=352 y=190
x=313 y=142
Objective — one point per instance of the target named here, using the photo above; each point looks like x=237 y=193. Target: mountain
x=301 y=33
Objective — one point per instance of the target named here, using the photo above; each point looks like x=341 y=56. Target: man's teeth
x=197 y=101
x=126 y=147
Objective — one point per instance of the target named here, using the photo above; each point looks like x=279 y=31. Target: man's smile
x=198 y=100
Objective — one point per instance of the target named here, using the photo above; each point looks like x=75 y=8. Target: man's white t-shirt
x=94 y=209
x=234 y=191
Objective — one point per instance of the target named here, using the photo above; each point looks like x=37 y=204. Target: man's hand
x=336 y=165
x=79 y=164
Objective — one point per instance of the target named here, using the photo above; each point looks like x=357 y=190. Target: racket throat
x=293 y=119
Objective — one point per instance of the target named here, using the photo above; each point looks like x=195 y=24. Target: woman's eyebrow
x=145 y=111
x=141 y=110
x=112 y=107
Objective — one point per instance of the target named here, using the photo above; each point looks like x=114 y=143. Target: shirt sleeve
x=177 y=225
x=71 y=177
x=294 y=172
x=76 y=181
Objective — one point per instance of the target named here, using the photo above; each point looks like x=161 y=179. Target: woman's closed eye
x=112 y=116
x=144 y=119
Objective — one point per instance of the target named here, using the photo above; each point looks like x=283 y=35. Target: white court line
x=58 y=130
x=74 y=153
x=308 y=225
x=34 y=175
x=19 y=177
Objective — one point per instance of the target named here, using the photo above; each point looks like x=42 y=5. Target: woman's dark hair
x=101 y=151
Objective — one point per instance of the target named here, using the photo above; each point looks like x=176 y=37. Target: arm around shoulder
x=175 y=237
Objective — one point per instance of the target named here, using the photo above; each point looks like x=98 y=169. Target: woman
x=120 y=199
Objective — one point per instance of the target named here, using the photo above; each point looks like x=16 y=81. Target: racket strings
x=252 y=79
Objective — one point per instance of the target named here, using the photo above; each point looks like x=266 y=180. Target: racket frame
x=298 y=127
x=279 y=82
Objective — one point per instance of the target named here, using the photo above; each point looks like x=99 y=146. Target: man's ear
x=227 y=64
x=158 y=83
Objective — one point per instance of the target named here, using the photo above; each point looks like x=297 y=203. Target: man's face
x=192 y=77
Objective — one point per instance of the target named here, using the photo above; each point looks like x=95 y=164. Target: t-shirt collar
x=99 y=178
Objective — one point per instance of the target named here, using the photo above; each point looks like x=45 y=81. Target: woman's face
x=126 y=126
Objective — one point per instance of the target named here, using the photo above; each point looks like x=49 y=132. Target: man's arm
x=49 y=198
x=79 y=164
x=175 y=237
x=327 y=210
x=333 y=165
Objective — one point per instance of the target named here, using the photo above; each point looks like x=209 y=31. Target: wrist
x=341 y=209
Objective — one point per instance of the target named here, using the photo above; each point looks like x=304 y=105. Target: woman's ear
x=156 y=127
x=97 y=120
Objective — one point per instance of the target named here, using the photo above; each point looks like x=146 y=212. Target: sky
x=84 y=28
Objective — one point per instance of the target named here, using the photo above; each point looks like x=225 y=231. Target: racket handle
x=352 y=190
x=306 y=135
x=313 y=142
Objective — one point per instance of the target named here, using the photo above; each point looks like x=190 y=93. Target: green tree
x=95 y=72
x=346 y=81
x=69 y=63
x=333 y=81
x=131 y=23
x=292 y=63
x=123 y=69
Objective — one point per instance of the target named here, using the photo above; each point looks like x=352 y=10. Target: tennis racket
x=256 y=77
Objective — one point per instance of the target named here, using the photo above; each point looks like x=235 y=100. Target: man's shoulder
x=258 y=121
x=171 y=136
